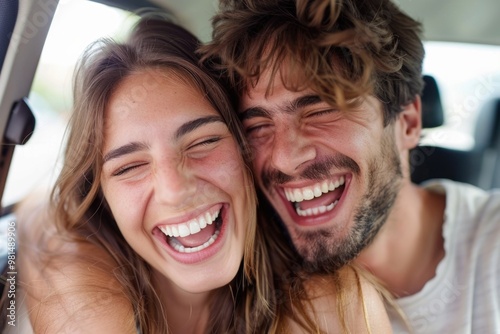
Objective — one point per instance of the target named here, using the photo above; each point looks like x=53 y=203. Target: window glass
x=468 y=75
x=76 y=24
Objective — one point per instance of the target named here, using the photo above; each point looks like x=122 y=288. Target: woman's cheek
x=126 y=202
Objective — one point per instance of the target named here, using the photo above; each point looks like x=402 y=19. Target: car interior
x=460 y=141
x=478 y=165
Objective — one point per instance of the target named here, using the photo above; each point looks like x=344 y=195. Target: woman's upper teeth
x=191 y=227
x=308 y=193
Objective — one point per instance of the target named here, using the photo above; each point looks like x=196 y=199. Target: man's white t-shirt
x=464 y=296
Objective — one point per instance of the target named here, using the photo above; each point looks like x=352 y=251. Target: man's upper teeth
x=191 y=227
x=308 y=193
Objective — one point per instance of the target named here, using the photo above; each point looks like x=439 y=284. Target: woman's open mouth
x=195 y=235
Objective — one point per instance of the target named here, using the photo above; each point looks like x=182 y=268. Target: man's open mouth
x=196 y=234
x=316 y=199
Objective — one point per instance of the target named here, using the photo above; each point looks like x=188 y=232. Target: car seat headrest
x=488 y=124
x=432 y=109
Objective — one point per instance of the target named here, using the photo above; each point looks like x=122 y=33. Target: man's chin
x=325 y=251
x=324 y=264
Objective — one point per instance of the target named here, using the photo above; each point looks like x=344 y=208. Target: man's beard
x=326 y=250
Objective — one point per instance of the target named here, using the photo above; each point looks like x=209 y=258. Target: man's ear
x=409 y=124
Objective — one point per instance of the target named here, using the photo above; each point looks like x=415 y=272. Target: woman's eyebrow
x=181 y=131
x=123 y=150
x=194 y=124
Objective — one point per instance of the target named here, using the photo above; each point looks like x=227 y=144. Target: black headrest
x=488 y=124
x=432 y=109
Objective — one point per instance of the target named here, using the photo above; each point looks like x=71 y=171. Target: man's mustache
x=315 y=171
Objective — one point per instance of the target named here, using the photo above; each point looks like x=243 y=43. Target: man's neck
x=408 y=248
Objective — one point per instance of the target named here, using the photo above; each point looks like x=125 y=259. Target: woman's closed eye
x=206 y=142
x=202 y=147
x=128 y=168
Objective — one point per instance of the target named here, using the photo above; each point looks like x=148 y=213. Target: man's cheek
x=258 y=157
x=258 y=171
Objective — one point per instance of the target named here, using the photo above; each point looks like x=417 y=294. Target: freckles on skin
x=144 y=87
x=231 y=164
x=226 y=169
x=119 y=199
x=176 y=136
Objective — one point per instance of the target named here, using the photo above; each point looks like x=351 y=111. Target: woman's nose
x=174 y=185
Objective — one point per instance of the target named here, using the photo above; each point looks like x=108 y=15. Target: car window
x=468 y=75
x=76 y=24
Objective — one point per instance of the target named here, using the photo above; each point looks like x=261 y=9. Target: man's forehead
x=270 y=87
x=274 y=76
x=282 y=100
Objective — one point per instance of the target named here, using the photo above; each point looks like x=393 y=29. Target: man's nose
x=291 y=150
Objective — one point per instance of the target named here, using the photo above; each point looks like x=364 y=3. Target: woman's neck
x=185 y=312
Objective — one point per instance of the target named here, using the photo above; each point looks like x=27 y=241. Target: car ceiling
x=444 y=20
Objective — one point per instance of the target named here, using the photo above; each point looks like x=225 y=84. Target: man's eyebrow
x=300 y=102
x=253 y=112
x=123 y=150
x=194 y=124
x=303 y=101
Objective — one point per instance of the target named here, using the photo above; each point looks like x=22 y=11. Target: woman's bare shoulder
x=70 y=286
x=370 y=303
x=346 y=299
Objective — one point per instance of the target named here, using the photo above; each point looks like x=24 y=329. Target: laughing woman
x=152 y=226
